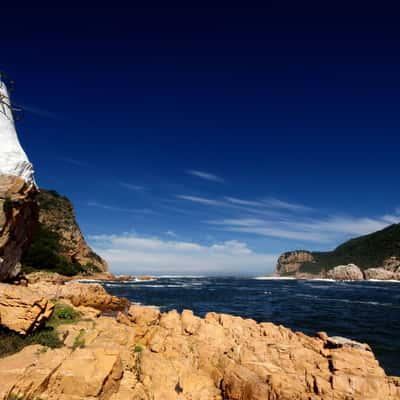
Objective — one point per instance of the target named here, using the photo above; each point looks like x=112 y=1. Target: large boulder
x=381 y=274
x=348 y=272
x=81 y=295
x=18 y=218
x=21 y=309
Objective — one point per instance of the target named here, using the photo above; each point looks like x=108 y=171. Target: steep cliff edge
x=58 y=244
x=375 y=254
x=18 y=217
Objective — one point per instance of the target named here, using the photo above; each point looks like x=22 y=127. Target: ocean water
x=364 y=311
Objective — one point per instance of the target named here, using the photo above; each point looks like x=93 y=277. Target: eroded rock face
x=392 y=264
x=381 y=274
x=18 y=218
x=58 y=215
x=348 y=272
x=291 y=262
x=21 y=309
x=81 y=295
x=171 y=356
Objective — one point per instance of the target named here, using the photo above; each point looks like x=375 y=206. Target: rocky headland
x=374 y=256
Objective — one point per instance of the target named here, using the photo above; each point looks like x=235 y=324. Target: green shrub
x=11 y=342
x=79 y=341
x=63 y=314
x=137 y=349
x=44 y=254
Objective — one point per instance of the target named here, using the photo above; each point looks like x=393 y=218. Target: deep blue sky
x=292 y=110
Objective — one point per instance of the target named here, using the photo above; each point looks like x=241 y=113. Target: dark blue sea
x=365 y=311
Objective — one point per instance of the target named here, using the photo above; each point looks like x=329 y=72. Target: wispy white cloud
x=323 y=230
x=121 y=209
x=241 y=202
x=133 y=254
x=171 y=233
x=200 y=200
x=40 y=112
x=206 y=175
x=130 y=186
x=78 y=163
x=276 y=203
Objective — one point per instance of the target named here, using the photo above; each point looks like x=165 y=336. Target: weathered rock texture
x=58 y=215
x=291 y=262
x=146 y=355
x=80 y=294
x=18 y=217
x=381 y=274
x=348 y=272
x=21 y=309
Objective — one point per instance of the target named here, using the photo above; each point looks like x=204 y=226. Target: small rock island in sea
x=65 y=340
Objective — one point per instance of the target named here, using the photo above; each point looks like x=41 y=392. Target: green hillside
x=365 y=251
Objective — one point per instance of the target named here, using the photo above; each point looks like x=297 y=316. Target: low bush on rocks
x=11 y=342
x=63 y=314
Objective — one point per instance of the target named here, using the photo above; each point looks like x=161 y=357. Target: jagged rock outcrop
x=291 y=262
x=57 y=214
x=348 y=272
x=391 y=264
x=21 y=309
x=18 y=217
x=171 y=356
x=381 y=274
x=81 y=295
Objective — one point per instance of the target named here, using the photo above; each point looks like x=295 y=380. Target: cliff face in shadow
x=58 y=244
x=18 y=217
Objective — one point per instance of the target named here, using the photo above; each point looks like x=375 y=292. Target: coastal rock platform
x=144 y=354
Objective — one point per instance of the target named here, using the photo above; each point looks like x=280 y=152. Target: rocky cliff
x=58 y=244
x=377 y=255
x=18 y=217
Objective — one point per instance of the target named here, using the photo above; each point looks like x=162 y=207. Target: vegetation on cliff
x=367 y=251
x=58 y=244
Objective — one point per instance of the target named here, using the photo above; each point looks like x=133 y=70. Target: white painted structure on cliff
x=13 y=160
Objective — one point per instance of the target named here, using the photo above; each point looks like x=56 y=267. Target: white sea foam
x=179 y=276
x=274 y=278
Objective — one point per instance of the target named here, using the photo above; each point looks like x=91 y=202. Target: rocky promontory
x=141 y=353
x=373 y=256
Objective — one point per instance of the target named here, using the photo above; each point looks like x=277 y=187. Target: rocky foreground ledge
x=142 y=354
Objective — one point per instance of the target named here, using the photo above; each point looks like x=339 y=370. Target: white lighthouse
x=13 y=160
